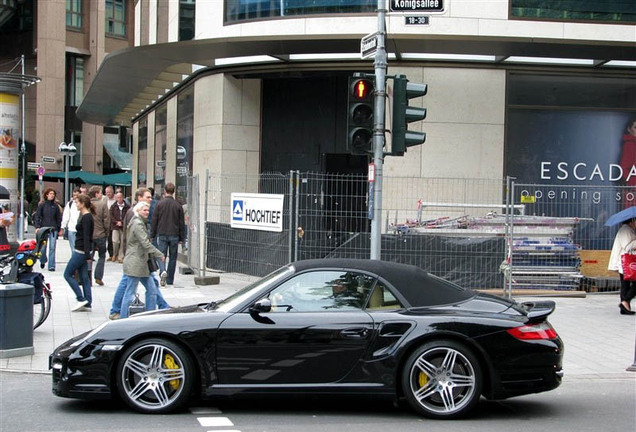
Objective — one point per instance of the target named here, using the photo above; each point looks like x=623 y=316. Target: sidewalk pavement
x=599 y=342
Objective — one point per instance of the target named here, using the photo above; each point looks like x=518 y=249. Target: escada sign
x=416 y=6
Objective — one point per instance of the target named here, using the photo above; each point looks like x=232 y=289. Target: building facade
x=64 y=42
x=539 y=91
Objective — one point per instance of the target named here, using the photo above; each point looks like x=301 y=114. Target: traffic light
x=401 y=137
x=360 y=116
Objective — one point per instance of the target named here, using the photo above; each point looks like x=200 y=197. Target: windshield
x=241 y=295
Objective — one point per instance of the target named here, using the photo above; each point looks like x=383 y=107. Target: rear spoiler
x=539 y=310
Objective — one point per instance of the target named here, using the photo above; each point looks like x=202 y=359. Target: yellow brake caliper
x=422 y=379
x=169 y=363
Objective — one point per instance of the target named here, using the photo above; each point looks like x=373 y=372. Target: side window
x=322 y=291
x=382 y=298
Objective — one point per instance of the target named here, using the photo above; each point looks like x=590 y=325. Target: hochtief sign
x=430 y=6
x=262 y=212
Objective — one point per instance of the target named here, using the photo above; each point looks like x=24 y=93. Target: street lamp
x=68 y=151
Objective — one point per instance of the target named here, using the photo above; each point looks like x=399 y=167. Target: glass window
x=161 y=138
x=74 y=13
x=187 y=14
x=116 y=17
x=242 y=10
x=142 y=168
x=185 y=139
x=74 y=80
x=322 y=291
x=575 y=10
x=382 y=298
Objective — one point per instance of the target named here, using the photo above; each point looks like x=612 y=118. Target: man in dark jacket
x=49 y=214
x=117 y=214
x=168 y=227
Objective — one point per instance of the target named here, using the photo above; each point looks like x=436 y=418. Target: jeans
x=71 y=238
x=121 y=289
x=168 y=246
x=100 y=244
x=131 y=290
x=50 y=245
x=78 y=262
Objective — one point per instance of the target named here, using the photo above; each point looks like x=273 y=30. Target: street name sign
x=48 y=159
x=33 y=166
x=369 y=45
x=263 y=212
x=429 y=6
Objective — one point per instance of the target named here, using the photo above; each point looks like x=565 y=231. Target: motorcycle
x=18 y=268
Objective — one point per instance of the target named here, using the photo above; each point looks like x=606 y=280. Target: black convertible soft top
x=418 y=287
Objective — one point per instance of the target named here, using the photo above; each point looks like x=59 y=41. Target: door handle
x=354 y=333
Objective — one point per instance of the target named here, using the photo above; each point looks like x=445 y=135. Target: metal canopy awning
x=130 y=80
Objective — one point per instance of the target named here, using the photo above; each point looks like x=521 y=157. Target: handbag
x=628 y=262
x=152 y=265
x=136 y=306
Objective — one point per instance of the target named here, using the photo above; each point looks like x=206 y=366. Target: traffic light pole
x=380 y=65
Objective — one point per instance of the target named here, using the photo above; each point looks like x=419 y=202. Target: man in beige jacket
x=100 y=232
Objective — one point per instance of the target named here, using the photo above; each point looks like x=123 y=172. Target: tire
x=41 y=310
x=442 y=379
x=155 y=376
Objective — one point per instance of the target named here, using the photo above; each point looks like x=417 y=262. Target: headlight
x=90 y=335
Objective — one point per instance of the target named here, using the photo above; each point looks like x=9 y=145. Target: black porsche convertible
x=323 y=326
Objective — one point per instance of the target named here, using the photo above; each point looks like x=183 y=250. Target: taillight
x=537 y=331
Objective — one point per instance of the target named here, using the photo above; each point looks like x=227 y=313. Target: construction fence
x=483 y=234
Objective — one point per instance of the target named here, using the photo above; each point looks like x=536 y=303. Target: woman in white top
x=624 y=241
x=69 y=218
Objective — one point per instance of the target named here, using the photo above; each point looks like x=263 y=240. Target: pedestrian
x=100 y=233
x=117 y=214
x=69 y=219
x=138 y=251
x=80 y=259
x=168 y=227
x=49 y=214
x=142 y=194
x=110 y=200
x=624 y=242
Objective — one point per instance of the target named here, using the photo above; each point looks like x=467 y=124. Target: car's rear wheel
x=442 y=379
x=155 y=376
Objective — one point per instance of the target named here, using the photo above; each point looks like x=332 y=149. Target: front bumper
x=82 y=372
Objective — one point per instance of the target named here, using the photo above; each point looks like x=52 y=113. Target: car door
x=316 y=332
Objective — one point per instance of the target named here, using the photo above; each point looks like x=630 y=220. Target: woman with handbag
x=81 y=255
x=624 y=243
x=139 y=251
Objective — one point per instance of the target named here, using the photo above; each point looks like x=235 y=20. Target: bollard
x=16 y=320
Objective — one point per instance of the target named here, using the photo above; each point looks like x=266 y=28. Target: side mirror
x=261 y=306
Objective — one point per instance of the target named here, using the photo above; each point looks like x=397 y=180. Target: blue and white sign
x=262 y=212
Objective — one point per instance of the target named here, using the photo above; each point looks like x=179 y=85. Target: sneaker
x=42 y=265
x=85 y=309
x=52 y=269
x=99 y=282
x=79 y=305
x=113 y=316
x=164 y=276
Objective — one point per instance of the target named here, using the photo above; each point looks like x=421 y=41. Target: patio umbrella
x=621 y=216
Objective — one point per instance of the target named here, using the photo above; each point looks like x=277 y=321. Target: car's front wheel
x=155 y=376
x=442 y=379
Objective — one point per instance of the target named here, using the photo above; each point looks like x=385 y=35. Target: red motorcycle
x=19 y=268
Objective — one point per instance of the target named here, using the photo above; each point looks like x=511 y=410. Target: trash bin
x=16 y=320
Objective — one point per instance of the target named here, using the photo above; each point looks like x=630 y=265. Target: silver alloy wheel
x=153 y=377
x=442 y=380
